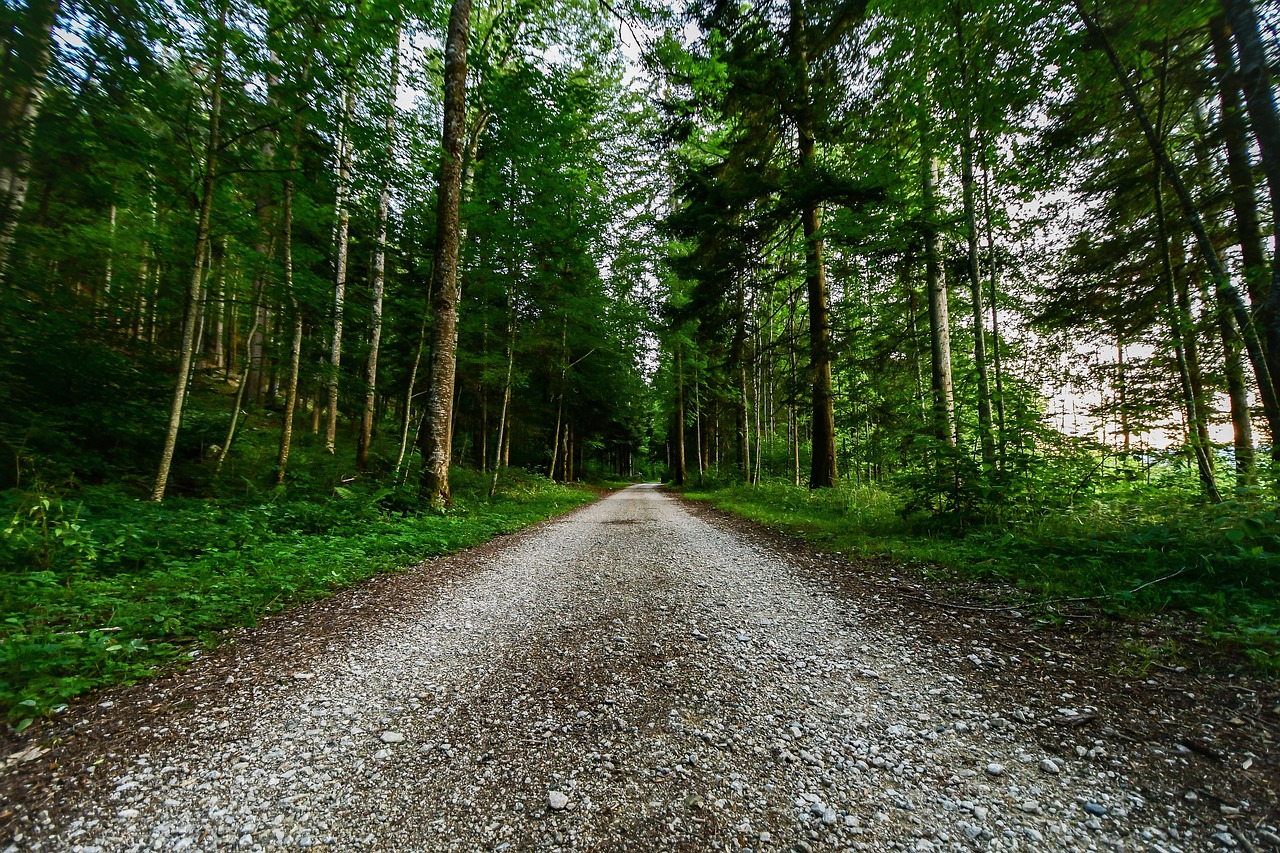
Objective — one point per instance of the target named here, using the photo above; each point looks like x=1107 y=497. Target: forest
x=297 y=291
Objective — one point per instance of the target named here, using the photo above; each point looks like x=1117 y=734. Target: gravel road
x=631 y=676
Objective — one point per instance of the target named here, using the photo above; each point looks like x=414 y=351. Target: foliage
x=1127 y=530
x=162 y=580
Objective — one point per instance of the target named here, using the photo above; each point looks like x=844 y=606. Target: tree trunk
x=1191 y=344
x=109 y=273
x=697 y=424
x=564 y=372
x=1122 y=392
x=235 y=418
x=738 y=357
x=793 y=415
x=1177 y=329
x=379 y=273
x=1235 y=142
x=197 y=271
x=939 y=316
x=295 y=346
x=995 y=311
x=555 y=439
x=506 y=391
x=1259 y=93
x=822 y=468
x=680 y=465
x=1238 y=393
x=219 y=319
x=986 y=433
x=409 y=395
x=340 y=275
x=436 y=439
x=24 y=90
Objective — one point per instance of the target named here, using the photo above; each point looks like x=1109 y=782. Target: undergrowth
x=99 y=588
x=1218 y=563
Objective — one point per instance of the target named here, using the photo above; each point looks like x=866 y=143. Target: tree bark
x=697 y=424
x=24 y=90
x=1238 y=393
x=793 y=415
x=409 y=395
x=564 y=372
x=295 y=345
x=1258 y=87
x=1235 y=142
x=680 y=464
x=506 y=391
x=822 y=468
x=340 y=275
x=738 y=356
x=993 y=279
x=1177 y=330
x=939 y=316
x=436 y=439
x=986 y=432
x=235 y=414
x=197 y=271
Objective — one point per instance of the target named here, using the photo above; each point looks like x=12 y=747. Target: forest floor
x=650 y=674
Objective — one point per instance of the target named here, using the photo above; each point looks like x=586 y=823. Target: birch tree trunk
x=939 y=315
x=23 y=92
x=295 y=345
x=340 y=274
x=197 y=271
x=437 y=439
x=379 y=272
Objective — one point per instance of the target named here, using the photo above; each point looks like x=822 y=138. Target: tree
x=208 y=186
x=436 y=435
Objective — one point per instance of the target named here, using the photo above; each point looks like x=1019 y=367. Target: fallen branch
x=1243 y=839
x=1039 y=604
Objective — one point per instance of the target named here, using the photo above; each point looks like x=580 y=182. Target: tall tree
x=436 y=438
x=203 y=227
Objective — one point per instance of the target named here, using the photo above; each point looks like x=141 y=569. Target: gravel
x=628 y=677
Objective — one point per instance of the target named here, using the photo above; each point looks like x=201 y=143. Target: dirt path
x=632 y=676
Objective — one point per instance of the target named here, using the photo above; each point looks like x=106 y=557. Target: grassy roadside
x=1226 y=563
x=110 y=589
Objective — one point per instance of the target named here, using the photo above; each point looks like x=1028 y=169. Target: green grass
x=1228 y=556
x=109 y=589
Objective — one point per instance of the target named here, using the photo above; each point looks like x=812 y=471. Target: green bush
x=130 y=586
x=1106 y=538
